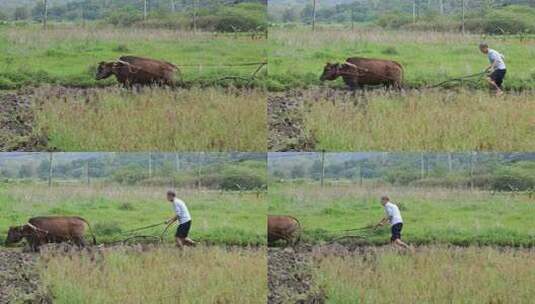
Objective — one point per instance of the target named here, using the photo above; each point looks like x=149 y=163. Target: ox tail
x=299 y=230
x=402 y=74
x=90 y=230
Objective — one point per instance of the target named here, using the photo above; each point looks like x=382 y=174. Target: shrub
x=130 y=175
x=394 y=20
x=124 y=17
x=242 y=182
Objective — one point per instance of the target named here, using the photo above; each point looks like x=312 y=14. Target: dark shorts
x=182 y=230
x=497 y=76
x=396 y=231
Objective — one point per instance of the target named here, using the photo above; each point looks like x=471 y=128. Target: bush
x=130 y=176
x=124 y=17
x=242 y=182
x=394 y=20
x=516 y=177
x=402 y=177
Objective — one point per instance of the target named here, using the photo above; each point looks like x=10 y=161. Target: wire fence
x=164 y=169
x=456 y=170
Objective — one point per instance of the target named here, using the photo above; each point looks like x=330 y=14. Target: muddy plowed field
x=19 y=279
x=290 y=277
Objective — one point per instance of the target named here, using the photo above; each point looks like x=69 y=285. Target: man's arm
x=381 y=222
x=171 y=220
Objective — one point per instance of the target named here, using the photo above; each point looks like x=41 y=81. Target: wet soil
x=19 y=279
x=291 y=278
x=17 y=124
x=286 y=111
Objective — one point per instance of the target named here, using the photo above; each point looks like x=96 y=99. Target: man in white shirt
x=497 y=68
x=393 y=216
x=184 y=220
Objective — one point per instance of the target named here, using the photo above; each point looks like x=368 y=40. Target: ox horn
x=36 y=228
x=131 y=67
x=351 y=65
x=123 y=62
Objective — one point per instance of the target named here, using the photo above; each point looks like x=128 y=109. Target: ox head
x=334 y=70
x=104 y=70
x=330 y=71
x=15 y=234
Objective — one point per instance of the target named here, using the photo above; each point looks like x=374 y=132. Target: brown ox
x=358 y=72
x=50 y=229
x=131 y=70
x=282 y=227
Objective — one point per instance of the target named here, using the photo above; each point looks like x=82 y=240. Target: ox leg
x=80 y=242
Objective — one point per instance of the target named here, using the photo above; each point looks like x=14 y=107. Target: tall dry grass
x=30 y=37
x=155 y=119
x=161 y=275
x=425 y=121
x=331 y=35
x=431 y=275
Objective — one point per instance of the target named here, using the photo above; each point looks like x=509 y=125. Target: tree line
x=483 y=16
x=210 y=15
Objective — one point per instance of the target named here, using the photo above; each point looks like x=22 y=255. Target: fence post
x=145 y=10
x=322 y=167
x=150 y=165
x=45 y=13
x=463 y=12
x=313 y=15
x=87 y=171
x=422 y=165
x=472 y=171
x=50 y=159
x=413 y=11
x=199 y=172
x=195 y=16
x=352 y=18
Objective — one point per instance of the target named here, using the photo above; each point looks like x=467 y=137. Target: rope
x=224 y=65
x=460 y=79
x=355 y=229
x=142 y=228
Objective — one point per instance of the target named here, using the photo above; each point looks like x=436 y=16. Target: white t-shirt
x=495 y=56
x=181 y=211
x=393 y=214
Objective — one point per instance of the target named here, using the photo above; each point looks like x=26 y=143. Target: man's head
x=384 y=199
x=171 y=195
x=484 y=48
x=14 y=235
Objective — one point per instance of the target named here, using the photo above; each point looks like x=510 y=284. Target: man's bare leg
x=189 y=242
x=401 y=245
x=495 y=86
x=179 y=242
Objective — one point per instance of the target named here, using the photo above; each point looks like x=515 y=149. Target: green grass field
x=69 y=54
x=297 y=56
x=217 y=217
x=430 y=216
x=433 y=120
x=111 y=119
x=161 y=275
x=431 y=275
